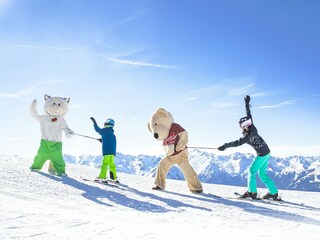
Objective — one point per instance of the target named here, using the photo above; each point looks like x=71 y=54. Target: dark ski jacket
x=252 y=138
x=109 y=141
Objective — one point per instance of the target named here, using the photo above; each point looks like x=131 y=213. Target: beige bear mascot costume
x=52 y=124
x=174 y=139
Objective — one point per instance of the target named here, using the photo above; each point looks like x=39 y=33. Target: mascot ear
x=161 y=112
x=149 y=127
x=46 y=97
x=66 y=100
x=165 y=113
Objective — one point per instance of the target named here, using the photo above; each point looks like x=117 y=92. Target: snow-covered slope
x=40 y=206
x=291 y=173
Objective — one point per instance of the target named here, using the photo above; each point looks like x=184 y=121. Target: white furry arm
x=183 y=141
x=69 y=133
x=33 y=110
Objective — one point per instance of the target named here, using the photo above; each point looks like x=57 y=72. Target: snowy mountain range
x=290 y=173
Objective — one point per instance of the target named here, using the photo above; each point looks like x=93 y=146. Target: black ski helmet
x=245 y=122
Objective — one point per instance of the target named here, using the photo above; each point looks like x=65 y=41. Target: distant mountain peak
x=292 y=172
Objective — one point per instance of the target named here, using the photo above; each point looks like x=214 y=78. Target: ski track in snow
x=37 y=205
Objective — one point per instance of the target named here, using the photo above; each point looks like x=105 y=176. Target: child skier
x=260 y=164
x=109 y=144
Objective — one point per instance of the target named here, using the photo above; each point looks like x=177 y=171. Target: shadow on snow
x=248 y=206
x=97 y=195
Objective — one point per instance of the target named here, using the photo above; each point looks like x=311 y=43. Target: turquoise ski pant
x=259 y=165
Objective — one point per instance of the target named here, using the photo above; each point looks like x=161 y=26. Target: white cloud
x=16 y=95
x=108 y=58
x=26 y=91
x=138 y=63
x=208 y=90
x=27 y=46
x=261 y=94
x=286 y=103
x=227 y=88
x=192 y=99
x=224 y=95
x=240 y=91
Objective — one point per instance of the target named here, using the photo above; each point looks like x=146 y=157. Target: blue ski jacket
x=109 y=141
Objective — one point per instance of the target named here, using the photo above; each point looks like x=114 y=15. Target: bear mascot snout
x=174 y=140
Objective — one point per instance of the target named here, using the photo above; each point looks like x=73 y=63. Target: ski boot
x=271 y=196
x=196 y=191
x=249 y=195
x=101 y=180
x=114 y=180
x=156 y=188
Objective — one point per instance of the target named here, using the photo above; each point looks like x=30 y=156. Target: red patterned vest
x=173 y=137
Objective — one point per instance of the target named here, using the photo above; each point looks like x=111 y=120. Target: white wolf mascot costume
x=51 y=125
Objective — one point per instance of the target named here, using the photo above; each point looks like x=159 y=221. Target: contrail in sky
x=108 y=58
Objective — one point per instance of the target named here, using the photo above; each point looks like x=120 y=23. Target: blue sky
x=198 y=59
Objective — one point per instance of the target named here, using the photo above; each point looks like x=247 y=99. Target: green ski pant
x=49 y=151
x=259 y=165
x=108 y=162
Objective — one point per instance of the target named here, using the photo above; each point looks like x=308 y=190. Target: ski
x=109 y=182
x=237 y=197
x=258 y=198
x=95 y=181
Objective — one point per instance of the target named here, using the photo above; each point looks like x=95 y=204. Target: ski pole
x=204 y=148
x=85 y=136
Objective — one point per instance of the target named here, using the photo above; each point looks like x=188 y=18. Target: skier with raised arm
x=260 y=163
x=109 y=146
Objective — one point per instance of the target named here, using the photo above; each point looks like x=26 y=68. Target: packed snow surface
x=37 y=205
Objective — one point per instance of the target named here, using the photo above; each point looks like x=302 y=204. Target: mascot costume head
x=52 y=123
x=56 y=106
x=174 y=140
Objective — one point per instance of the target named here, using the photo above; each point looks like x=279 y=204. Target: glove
x=93 y=120
x=34 y=103
x=247 y=99
x=100 y=140
x=169 y=149
x=69 y=134
x=180 y=147
x=222 y=148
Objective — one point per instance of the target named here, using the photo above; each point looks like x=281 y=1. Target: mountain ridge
x=289 y=173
